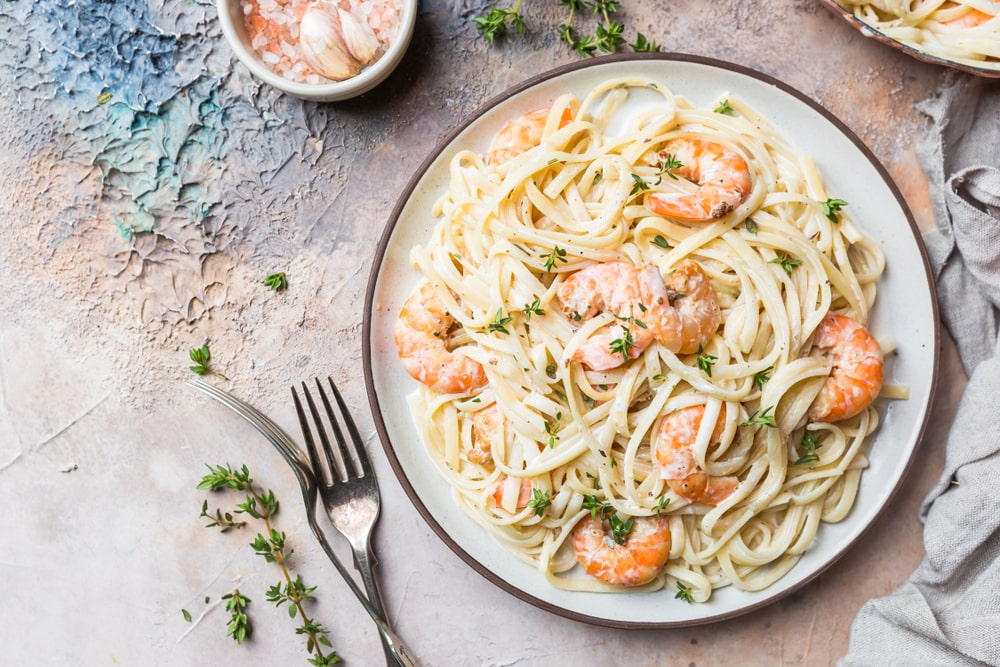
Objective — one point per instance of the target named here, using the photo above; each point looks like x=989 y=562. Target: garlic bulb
x=334 y=43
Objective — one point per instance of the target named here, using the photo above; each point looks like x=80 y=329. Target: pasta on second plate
x=966 y=32
x=641 y=343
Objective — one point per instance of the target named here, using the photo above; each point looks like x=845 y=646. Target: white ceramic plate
x=851 y=173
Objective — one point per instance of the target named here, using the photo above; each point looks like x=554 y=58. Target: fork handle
x=390 y=641
x=364 y=562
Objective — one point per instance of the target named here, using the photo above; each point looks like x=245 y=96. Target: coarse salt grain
x=273 y=27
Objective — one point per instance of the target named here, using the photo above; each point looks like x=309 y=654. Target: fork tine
x=332 y=465
x=346 y=449
x=317 y=467
x=357 y=444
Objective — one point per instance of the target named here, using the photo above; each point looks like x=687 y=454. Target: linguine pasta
x=567 y=443
x=966 y=32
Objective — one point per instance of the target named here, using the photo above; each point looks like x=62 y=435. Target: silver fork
x=303 y=473
x=347 y=484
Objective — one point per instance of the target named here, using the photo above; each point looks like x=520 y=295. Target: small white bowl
x=231 y=18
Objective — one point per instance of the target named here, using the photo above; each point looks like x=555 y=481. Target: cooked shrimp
x=969 y=19
x=681 y=312
x=672 y=450
x=855 y=368
x=524 y=493
x=722 y=175
x=521 y=134
x=485 y=431
x=421 y=342
x=633 y=563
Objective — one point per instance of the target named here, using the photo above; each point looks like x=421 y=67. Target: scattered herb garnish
x=620 y=529
x=534 y=308
x=186 y=614
x=669 y=164
x=660 y=241
x=104 y=97
x=201 y=356
x=705 y=362
x=624 y=344
x=597 y=508
x=660 y=377
x=760 y=377
x=683 y=593
x=540 y=501
x=550 y=371
x=276 y=281
x=552 y=430
x=638 y=185
x=810 y=443
x=272 y=546
x=724 y=108
x=557 y=255
x=499 y=323
x=239 y=624
x=751 y=226
x=787 y=262
x=831 y=208
x=661 y=504
x=764 y=418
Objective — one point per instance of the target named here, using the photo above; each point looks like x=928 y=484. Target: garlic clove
x=321 y=37
x=360 y=38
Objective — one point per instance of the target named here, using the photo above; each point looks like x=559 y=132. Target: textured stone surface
x=137 y=227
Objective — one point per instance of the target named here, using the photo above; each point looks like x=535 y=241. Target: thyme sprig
x=272 y=545
x=201 y=356
x=608 y=35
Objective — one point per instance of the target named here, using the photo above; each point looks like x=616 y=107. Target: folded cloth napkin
x=948 y=611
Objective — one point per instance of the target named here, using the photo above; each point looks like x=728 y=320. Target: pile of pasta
x=966 y=32
x=565 y=444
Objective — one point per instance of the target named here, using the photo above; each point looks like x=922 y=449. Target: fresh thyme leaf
x=186 y=614
x=660 y=377
x=660 y=241
x=810 y=443
x=596 y=507
x=540 y=501
x=705 y=362
x=550 y=371
x=624 y=344
x=557 y=255
x=224 y=522
x=201 y=356
x=832 y=207
x=760 y=377
x=496 y=20
x=638 y=185
x=751 y=226
x=104 y=97
x=669 y=164
x=683 y=593
x=787 y=262
x=239 y=623
x=643 y=45
x=609 y=35
x=724 y=108
x=763 y=418
x=620 y=529
x=276 y=281
x=499 y=323
x=661 y=504
x=533 y=308
x=552 y=430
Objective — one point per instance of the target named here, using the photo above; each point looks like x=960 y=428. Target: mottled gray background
x=148 y=184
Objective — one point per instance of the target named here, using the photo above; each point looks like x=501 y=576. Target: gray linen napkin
x=948 y=611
